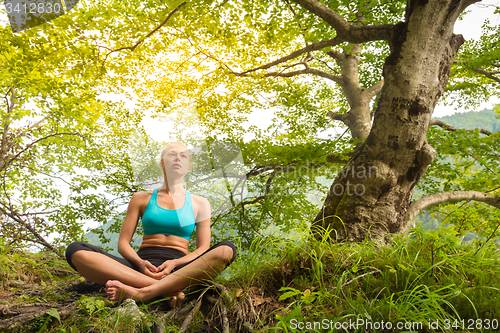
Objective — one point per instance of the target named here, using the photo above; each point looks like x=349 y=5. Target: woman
x=163 y=265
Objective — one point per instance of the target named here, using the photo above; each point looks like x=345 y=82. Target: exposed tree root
x=218 y=302
x=16 y=317
x=6 y=311
x=242 y=311
x=25 y=313
x=225 y=322
x=189 y=317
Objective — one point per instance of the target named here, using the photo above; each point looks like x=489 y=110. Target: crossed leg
x=205 y=267
x=100 y=268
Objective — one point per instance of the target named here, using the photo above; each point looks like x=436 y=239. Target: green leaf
x=54 y=313
x=292 y=292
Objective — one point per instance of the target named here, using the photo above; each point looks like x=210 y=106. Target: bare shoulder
x=200 y=202
x=141 y=197
x=201 y=207
x=199 y=199
x=142 y=194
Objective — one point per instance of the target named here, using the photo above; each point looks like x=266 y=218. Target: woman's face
x=176 y=158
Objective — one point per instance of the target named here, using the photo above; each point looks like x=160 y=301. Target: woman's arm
x=127 y=232
x=203 y=236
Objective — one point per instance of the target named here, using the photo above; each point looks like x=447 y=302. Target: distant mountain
x=486 y=119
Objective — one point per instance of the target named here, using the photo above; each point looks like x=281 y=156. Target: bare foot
x=118 y=291
x=177 y=299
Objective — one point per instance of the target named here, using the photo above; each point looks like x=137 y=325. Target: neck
x=172 y=184
x=173 y=189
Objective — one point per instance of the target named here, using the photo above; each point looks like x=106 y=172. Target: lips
x=177 y=164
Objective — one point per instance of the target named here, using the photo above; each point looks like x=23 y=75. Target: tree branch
x=325 y=64
x=36 y=141
x=41 y=213
x=10 y=108
x=453 y=129
x=49 y=175
x=295 y=14
x=295 y=54
x=467 y=3
x=375 y=89
x=346 y=31
x=439 y=198
x=243 y=203
x=39 y=240
x=334 y=158
x=343 y=117
x=307 y=70
x=40 y=121
x=480 y=163
x=488 y=74
x=132 y=48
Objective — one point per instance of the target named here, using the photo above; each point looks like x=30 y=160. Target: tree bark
x=371 y=195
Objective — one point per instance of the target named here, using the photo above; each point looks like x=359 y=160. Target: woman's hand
x=165 y=268
x=150 y=270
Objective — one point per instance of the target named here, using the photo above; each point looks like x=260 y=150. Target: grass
x=421 y=281
x=427 y=282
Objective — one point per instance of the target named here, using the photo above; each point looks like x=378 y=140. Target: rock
x=129 y=311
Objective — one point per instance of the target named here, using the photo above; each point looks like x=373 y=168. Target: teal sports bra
x=178 y=222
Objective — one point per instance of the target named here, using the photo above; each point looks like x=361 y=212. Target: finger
x=150 y=274
x=147 y=264
x=151 y=267
x=155 y=276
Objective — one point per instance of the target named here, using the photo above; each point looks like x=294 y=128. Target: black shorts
x=155 y=255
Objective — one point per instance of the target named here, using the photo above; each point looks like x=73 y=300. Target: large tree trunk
x=370 y=196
